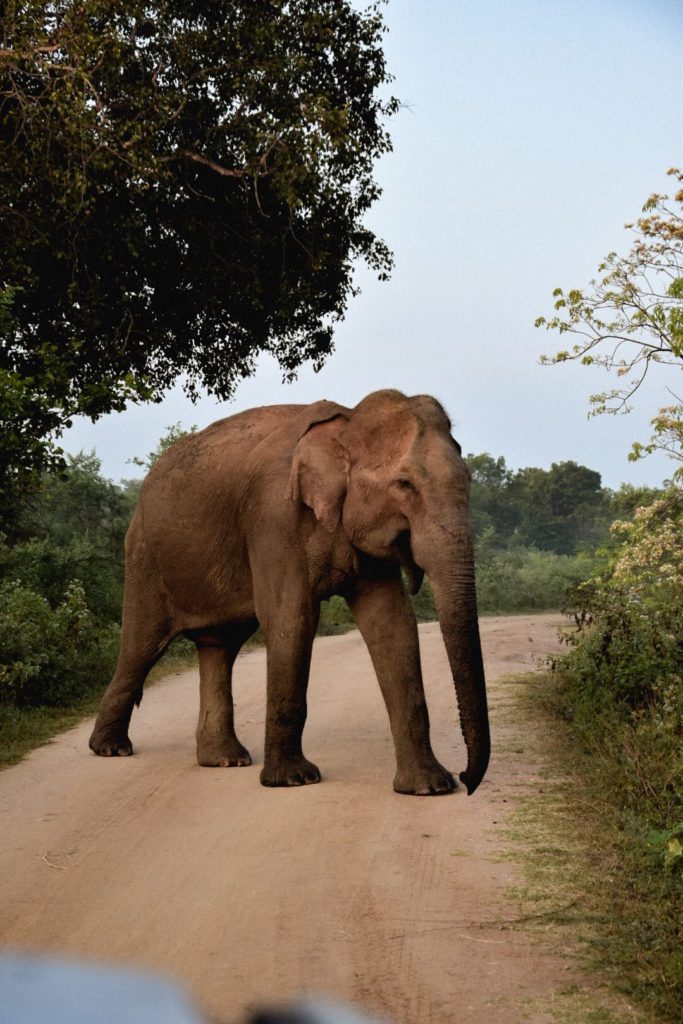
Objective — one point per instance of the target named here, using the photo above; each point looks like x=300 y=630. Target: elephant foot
x=108 y=746
x=434 y=780
x=295 y=772
x=223 y=755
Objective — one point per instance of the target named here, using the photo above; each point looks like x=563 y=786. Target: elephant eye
x=405 y=484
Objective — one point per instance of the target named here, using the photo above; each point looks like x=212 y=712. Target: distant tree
x=174 y=432
x=559 y=509
x=624 y=502
x=632 y=317
x=182 y=187
x=490 y=512
x=486 y=471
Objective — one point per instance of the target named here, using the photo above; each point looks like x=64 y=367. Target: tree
x=32 y=409
x=182 y=187
x=490 y=512
x=630 y=497
x=72 y=528
x=632 y=317
x=559 y=509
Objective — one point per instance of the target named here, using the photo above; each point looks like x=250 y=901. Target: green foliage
x=624 y=503
x=525 y=579
x=491 y=513
x=50 y=656
x=61 y=584
x=28 y=419
x=182 y=187
x=632 y=317
x=562 y=509
x=23 y=729
x=508 y=582
x=620 y=688
x=174 y=432
x=632 y=651
x=72 y=528
x=538 y=532
x=335 y=617
x=667 y=845
x=516 y=581
x=423 y=603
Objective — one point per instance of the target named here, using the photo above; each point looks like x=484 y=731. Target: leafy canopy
x=632 y=316
x=182 y=187
x=563 y=509
x=183 y=184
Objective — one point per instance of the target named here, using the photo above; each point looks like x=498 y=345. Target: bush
x=518 y=580
x=45 y=566
x=335 y=617
x=628 y=654
x=620 y=688
x=524 y=579
x=51 y=656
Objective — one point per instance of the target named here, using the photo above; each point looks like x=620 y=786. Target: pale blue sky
x=532 y=132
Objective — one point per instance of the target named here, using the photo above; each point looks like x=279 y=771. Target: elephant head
x=392 y=475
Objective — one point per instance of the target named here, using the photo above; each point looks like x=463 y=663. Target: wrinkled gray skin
x=261 y=516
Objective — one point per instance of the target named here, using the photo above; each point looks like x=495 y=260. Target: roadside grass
x=24 y=729
x=594 y=889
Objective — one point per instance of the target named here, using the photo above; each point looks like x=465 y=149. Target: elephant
x=257 y=519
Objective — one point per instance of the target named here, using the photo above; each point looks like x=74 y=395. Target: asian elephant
x=261 y=516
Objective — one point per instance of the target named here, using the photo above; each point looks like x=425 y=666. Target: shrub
x=335 y=617
x=620 y=688
x=51 y=656
x=629 y=652
x=524 y=579
x=518 y=580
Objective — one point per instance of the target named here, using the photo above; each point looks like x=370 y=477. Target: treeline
x=61 y=563
x=537 y=531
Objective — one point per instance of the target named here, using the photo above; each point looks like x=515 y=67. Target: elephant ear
x=320 y=470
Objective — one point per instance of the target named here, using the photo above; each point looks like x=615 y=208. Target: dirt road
x=251 y=895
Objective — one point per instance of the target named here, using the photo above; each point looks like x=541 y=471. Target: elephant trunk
x=451 y=575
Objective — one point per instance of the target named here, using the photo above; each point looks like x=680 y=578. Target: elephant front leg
x=386 y=620
x=289 y=659
x=217 y=744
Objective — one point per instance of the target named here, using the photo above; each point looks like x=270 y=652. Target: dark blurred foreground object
x=312 y=1011
x=46 y=990
x=40 y=990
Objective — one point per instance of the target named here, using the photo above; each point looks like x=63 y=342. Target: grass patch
x=24 y=729
x=596 y=886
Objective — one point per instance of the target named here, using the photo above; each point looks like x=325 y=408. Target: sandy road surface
x=250 y=894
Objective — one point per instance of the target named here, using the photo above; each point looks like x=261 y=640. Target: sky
x=531 y=131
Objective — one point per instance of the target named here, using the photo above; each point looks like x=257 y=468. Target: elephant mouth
x=412 y=570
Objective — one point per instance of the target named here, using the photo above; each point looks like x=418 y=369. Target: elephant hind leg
x=217 y=743
x=146 y=633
